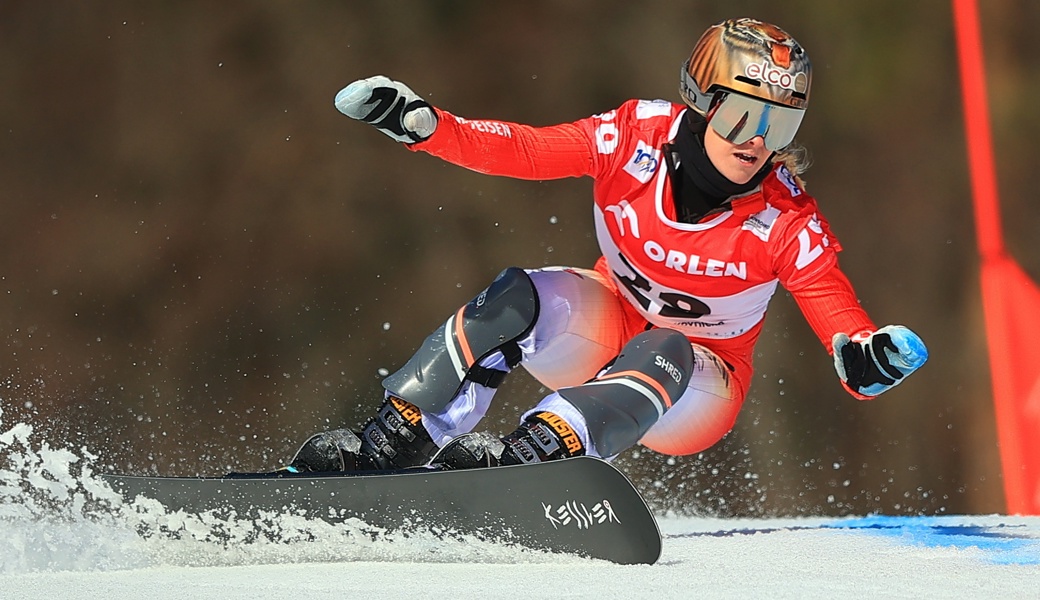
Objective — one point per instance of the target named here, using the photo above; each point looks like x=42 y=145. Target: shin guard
x=493 y=321
x=620 y=405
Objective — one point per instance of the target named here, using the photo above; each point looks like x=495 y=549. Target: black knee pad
x=493 y=321
x=621 y=405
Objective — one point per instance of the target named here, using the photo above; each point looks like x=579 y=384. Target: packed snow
x=67 y=535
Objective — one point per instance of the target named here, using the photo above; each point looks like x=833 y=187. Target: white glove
x=879 y=362
x=389 y=106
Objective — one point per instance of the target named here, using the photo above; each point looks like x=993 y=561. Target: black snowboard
x=578 y=505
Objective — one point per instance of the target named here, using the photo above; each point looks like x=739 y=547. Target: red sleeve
x=807 y=249
x=830 y=306
x=511 y=149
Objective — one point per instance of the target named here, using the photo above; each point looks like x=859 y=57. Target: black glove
x=872 y=365
x=389 y=106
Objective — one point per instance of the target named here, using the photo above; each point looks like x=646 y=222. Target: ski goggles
x=738 y=118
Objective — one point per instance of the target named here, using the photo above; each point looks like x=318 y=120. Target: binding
x=393 y=439
x=541 y=437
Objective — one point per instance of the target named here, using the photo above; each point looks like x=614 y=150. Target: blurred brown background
x=203 y=261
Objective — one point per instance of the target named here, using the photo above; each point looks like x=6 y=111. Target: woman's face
x=736 y=162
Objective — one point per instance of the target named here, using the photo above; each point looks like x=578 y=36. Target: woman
x=700 y=213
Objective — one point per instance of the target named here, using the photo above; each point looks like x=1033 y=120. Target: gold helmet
x=754 y=64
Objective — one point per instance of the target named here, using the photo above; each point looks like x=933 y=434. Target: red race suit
x=710 y=280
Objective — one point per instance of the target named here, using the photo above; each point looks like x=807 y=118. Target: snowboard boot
x=543 y=436
x=394 y=439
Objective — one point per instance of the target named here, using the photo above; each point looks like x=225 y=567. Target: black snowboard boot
x=394 y=439
x=543 y=436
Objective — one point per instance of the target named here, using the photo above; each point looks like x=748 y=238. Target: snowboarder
x=700 y=211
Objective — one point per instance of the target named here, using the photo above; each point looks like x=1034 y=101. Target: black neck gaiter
x=697 y=185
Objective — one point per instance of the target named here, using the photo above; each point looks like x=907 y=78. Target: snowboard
x=578 y=505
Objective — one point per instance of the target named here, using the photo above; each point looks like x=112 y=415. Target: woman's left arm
x=868 y=360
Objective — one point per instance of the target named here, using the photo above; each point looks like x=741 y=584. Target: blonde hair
x=797 y=160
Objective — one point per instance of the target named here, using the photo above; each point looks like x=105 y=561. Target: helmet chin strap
x=698 y=186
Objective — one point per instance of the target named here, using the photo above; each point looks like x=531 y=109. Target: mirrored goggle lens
x=739 y=118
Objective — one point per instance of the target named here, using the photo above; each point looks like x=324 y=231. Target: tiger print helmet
x=749 y=57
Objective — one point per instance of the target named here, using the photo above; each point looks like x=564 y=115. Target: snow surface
x=64 y=534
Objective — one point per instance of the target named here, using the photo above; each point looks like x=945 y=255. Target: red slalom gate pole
x=1010 y=299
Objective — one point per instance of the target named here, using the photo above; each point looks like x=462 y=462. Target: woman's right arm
x=491 y=147
x=510 y=149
